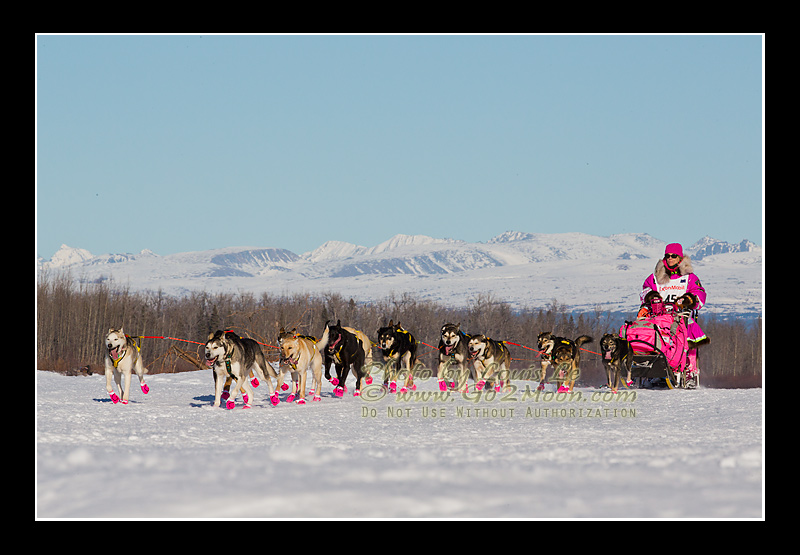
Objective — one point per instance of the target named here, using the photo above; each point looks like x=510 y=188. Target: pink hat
x=674 y=248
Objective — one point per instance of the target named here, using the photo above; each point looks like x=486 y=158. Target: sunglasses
x=671 y=256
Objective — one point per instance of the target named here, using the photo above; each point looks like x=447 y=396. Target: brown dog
x=492 y=362
x=617 y=357
x=300 y=353
x=564 y=355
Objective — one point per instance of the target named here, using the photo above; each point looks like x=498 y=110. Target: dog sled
x=659 y=346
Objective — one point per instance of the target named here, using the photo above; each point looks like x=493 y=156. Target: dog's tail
x=583 y=339
x=323 y=341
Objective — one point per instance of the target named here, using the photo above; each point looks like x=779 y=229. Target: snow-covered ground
x=169 y=454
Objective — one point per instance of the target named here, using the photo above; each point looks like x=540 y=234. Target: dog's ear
x=121 y=331
x=210 y=336
x=294 y=332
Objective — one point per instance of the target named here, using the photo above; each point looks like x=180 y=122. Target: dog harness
x=228 y=355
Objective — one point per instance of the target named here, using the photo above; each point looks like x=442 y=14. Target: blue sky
x=189 y=142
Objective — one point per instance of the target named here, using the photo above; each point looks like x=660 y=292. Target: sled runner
x=659 y=345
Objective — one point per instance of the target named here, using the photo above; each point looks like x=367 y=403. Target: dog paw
x=301 y=401
x=114 y=397
x=290 y=398
x=145 y=389
x=368 y=379
x=356 y=393
x=229 y=404
x=316 y=398
x=254 y=382
x=284 y=386
x=338 y=391
x=442 y=385
x=274 y=399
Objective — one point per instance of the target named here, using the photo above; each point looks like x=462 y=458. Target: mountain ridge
x=576 y=268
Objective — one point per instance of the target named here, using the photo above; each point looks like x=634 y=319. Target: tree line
x=73 y=318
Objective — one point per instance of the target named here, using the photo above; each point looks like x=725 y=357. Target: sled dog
x=344 y=347
x=545 y=344
x=616 y=357
x=492 y=362
x=300 y=353
x=453 y=357
x=232 y=356
x=565 y=357
x=123 y=356
x=399 y=350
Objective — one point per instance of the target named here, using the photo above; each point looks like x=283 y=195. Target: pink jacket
x=672 y=286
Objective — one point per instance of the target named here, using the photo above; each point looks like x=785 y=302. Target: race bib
x=674 y=289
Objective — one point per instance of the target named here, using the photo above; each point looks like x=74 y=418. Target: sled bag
x=663 y=334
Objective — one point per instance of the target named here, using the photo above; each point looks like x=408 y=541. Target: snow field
x=170 y=454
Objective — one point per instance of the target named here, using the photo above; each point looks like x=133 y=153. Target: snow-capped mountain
x=708 y=246
x=584 y=272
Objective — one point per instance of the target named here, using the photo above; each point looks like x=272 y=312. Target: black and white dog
x=616 y=357
x=453 y=357
x=342 y=348
x=399 y=349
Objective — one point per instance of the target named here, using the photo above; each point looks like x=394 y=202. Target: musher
x=674 y=280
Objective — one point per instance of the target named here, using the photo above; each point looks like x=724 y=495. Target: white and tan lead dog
x=123 y=358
